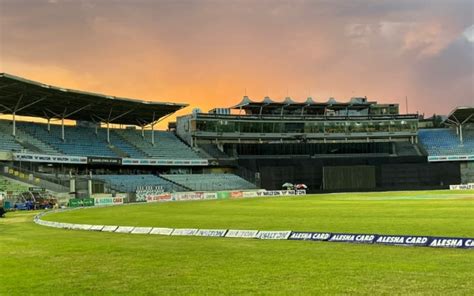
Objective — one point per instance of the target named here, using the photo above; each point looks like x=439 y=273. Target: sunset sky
x=209 y=53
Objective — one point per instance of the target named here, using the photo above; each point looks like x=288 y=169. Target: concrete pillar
x=72 y=185
x=153 y=134
x=62 y=129
x=14 y=125
x=89 y=187
x=108 y=133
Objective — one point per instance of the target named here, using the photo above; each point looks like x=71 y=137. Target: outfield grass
x=441 y=213
x=48 y=261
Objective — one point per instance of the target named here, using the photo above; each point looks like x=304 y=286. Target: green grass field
x=47 y=261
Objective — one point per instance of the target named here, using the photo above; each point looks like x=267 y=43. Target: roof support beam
x=121 y=115
x=110 y=119
x=28 y=105
x=153 y=130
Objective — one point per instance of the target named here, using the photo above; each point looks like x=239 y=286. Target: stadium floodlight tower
x=460 y=118
x=23 y=97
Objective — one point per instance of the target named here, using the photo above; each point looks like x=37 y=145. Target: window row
x=226 y=126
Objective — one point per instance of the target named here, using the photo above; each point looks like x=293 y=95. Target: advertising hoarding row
x=200 y=195
x=358 y=238
x=68 y=159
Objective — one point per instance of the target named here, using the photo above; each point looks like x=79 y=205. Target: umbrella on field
x=301 y=186
x=287 y=185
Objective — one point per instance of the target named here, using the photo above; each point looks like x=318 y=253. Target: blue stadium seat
x=445 y=142
x=211 y=182
x=129 y=183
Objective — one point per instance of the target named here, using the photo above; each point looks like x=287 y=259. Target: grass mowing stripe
x=436 y=217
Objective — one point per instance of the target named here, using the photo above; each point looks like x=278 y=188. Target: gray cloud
x=384 y=49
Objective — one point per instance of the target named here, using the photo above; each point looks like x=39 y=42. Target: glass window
x=206 y=125
x=267 y=127
x=250 y=127
x=370 y=127
x=314 y=127
x=225 y=126
x=357 y=127
x=294 y=127
x=335 y=127
x=381 y=126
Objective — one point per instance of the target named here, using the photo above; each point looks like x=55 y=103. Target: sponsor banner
x=108 y=201
x=315 y=236
x=76 y=226
x=210 y=195
x=451 y=158
x=223 y=195
x=124 y=229
x=86 y=226
x=63 y=225
x=104 y=160
x=96 y=227
x=234 y=233
x=184 y=231
x=54 y=224
x=352 y=238
x=109 y=228
x=211 y=232
x=281 y=192
x=141 y=230
x=49 y=158
x=68 y=226
x=143 y=192
x=403 y=240
x=159 y=197
x=161 y=231
x=451 y=242
x=273 y=234
x=247 y=194
x=45 y=223
x=166 y=162
x=236 y=194
x=84 y=202
x=461 y=187
x=187 y=195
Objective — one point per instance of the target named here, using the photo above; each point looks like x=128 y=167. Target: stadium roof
x=25 y=97
x=311 y=106
x=461 y=116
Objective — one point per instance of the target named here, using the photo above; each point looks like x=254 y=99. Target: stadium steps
x=28 y=146
x=40 y=145
x=213 y=151
x=12 y=186
x=211 y=182
x=167 y=146
x=406 y=149
x=130 y=183
x=34 y=179
x=117 y=151
x=185 y=188
x=133 y=142
x=8 y=142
